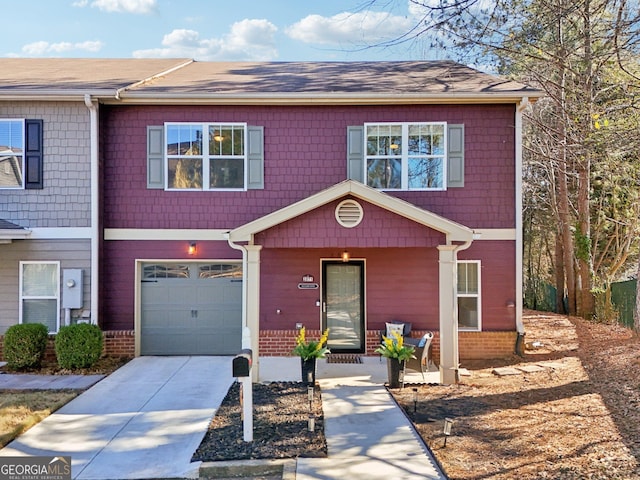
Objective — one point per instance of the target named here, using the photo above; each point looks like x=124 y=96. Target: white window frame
x=404 y=157
x=205 y=156
x=477 y=296
x=22 y=156
x=42 y=297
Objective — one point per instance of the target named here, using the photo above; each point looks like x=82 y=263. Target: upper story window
x=406 y=156
x=206 y=156
x=11 y=153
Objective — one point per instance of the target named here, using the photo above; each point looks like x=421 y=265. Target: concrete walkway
x=12 y=381
x=143 y=421
x=368 y=436
x=146 y=419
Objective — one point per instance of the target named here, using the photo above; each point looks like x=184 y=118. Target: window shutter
x=355 y=153
x=455 y=155
x=33 y=158
x=155 y=157
x=255 y=158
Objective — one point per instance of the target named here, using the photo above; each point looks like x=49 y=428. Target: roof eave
x=9 y=234
x=52 y=95
x=323 y=98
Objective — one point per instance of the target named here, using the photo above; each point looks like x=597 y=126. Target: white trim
x=164 y=234
x=518 y=206
x=60 y=233
x=95 y=207
x=9 y=234
x=495 y=234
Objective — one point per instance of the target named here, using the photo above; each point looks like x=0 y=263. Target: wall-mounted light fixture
x=345 y=256
x=192 y=248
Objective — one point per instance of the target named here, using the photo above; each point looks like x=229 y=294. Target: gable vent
x=349 y=213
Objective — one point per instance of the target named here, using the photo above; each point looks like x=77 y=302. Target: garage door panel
x=195 y=314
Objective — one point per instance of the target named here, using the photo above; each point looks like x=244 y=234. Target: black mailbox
x=241 y=366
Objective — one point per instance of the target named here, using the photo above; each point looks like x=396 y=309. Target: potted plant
x=309 y=351
x=396 y=353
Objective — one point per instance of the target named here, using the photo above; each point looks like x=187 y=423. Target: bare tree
x=584 y=55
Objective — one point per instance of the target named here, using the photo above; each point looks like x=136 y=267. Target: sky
x=210 y=30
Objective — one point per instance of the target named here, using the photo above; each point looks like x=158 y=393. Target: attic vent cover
x=349 y=213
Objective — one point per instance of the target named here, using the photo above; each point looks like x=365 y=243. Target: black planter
x=395 y=371
x=308 y=371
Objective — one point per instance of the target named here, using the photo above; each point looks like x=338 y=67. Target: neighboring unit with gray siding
x=65 y=198
x=54 y=213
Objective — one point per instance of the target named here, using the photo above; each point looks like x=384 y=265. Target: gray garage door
x=191 y=308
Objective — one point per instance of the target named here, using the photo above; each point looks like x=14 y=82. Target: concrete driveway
x=143 y=421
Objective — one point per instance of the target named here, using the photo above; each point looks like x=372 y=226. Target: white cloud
x=247 y=40
x=39 y=49
x=126 y=6
x=354 y=28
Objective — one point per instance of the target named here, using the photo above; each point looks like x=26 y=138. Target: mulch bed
x=576 y=419
x=280 y=425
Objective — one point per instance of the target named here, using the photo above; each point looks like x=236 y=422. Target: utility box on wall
x=72 y=288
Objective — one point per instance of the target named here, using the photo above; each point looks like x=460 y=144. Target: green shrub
x=78 y=346
x=24 y=345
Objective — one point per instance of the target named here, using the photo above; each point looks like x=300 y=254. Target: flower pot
x=308 y=371
x=395 y=371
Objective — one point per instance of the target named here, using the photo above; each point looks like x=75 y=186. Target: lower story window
x=40 y=293
x=468 y=293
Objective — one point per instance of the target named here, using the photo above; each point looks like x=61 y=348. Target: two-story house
x=329 y=195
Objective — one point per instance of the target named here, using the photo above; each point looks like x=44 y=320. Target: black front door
x=343 y=305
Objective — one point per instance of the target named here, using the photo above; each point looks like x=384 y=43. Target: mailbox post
x=241 y=369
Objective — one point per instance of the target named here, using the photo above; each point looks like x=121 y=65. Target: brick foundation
x=277 y=343
x=472 y=345
x=117 y=343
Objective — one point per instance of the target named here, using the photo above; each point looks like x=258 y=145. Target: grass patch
x=20 y=410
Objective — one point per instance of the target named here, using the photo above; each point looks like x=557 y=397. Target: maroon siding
x=379 y=228
x=305 y=152
x=498 y=279
x=401 y=283
x=118 y=272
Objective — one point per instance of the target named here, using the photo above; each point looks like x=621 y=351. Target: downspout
x=93 y=114
x=519 y=347
x=246 y=333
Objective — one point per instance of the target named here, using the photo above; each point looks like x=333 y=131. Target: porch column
x=447 y=278
x=252 y=304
